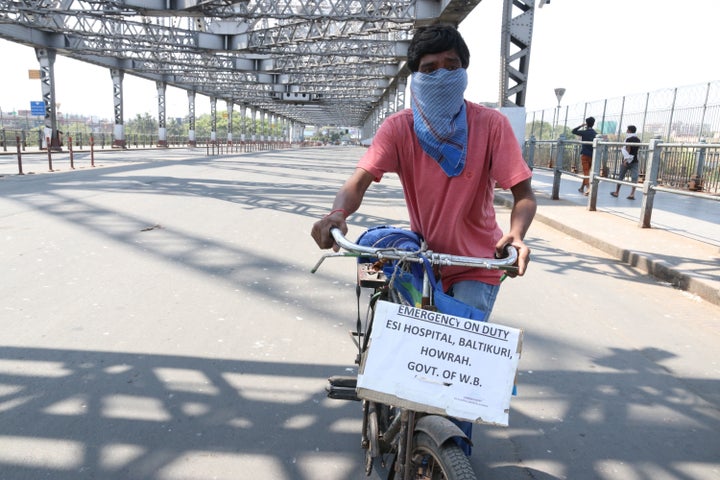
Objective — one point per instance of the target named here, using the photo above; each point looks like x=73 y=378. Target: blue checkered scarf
x=439 y=116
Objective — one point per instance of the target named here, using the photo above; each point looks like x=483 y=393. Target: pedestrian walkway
x=682 y=248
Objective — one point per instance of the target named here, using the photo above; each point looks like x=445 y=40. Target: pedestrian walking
x=586 y=134
x=630 y=162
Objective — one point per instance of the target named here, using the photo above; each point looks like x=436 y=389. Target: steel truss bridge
x=298 y=62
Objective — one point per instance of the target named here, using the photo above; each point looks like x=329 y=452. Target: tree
x=144 y=124
x=540 y=130
x=176 y=127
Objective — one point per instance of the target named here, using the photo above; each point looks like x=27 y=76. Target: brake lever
x=331 y=255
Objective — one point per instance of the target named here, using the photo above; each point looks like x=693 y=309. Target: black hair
x=590 y=121
x=632 y=128
x=435 y=39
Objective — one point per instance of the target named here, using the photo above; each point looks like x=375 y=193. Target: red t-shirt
x=454 y=214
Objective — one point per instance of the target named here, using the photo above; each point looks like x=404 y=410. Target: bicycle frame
x=394 y=430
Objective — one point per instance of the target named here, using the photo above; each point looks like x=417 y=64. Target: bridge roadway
x=159 y=322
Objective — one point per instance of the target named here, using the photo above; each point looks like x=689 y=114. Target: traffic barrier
x=19 y=155
x=70 y=148
x=49 y=154
x=92 y=151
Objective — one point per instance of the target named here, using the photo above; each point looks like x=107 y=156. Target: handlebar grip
x=511 y=254
x=346 y=244
x=336 y=234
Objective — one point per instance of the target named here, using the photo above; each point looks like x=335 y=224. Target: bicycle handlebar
x=506 y=263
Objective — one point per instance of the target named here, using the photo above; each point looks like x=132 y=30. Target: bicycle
x=421 y=440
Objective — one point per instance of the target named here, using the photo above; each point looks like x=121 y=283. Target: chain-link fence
x=687 y=114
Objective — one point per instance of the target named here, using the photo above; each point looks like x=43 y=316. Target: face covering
x=439 y=116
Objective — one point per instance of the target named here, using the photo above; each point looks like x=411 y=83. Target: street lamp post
x=559 y=92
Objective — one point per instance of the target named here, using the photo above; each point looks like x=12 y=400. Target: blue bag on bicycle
x=406 y=278
x=448 y=304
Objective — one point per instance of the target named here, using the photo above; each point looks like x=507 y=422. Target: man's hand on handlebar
x=321 y=229
x=523 y=254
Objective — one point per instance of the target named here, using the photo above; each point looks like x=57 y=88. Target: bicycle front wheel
x=439 y=462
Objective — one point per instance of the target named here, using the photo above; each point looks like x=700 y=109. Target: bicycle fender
x=440 y=429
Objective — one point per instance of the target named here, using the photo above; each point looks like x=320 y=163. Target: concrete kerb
x=643 y=261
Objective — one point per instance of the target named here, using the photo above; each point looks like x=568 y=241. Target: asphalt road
x=159 y=322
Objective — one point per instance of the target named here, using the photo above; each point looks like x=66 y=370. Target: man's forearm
x=350 y=195
x=521 y=216
x=524 y=208
x=347 y=200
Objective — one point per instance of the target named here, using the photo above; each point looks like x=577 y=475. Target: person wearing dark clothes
x=630 y=162
x=586 y=134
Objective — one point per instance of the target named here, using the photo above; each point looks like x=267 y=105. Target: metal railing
x=35 y=155
x=33 y=140
x=690 y=169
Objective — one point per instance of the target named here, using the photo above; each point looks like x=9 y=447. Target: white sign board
x=439 y=363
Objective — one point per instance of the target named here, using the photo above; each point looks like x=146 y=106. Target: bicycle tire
x=439 y=462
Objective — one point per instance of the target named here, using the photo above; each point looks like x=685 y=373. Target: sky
x=594 y=49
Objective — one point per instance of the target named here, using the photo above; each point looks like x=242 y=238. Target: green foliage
x=540 y=130
x=147 y=125
x=203 y=127
x=177 y=127
x=544 y=131
x=333 y=135
x=141 y=124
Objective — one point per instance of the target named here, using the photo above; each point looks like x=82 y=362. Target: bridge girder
x=345 y=56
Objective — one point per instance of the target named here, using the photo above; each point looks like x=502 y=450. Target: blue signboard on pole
x=37 y=108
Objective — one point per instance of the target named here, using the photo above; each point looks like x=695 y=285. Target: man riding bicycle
x=449 y=154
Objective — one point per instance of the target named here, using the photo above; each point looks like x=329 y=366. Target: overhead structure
x=314 y=62
x=517 y=25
